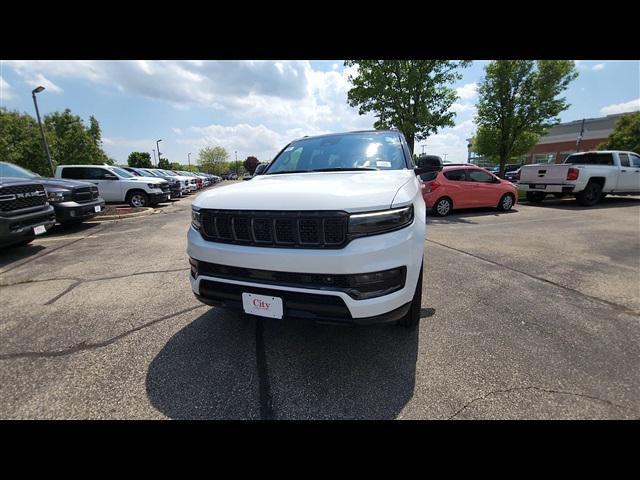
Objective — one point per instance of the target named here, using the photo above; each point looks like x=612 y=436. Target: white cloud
x=630 y=106
x=598 y=66
x=177 y=131
x=41 y=80
x=6 y=90
x=468 y=91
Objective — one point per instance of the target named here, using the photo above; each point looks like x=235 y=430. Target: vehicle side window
x=635 y=160
x=591 y=159
x=455 y=175
x=95 y=174
x=75 y=173
x=624 y=160
x=479 y=176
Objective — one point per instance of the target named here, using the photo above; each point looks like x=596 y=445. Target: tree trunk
x=410 y=142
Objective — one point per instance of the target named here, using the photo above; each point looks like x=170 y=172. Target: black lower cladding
x=307 y=306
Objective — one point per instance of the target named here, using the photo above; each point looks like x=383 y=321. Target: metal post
x=237 y=171
x=158 y=147
x=44 y=140
x=154 y=157
x=580 y=136
x=189 y=160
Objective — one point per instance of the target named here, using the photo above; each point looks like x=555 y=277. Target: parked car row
x=31 y=204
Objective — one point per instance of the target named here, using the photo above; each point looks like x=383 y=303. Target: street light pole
x=237 y=171
x=189 y=160
x=423 y=148
x=158 y=147
x=44 y=140
x=154 y=157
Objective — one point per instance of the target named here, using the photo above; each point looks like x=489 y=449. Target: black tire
x=536 y=197
x=138 y=199
x=591 y=194
x=559 y=195
x=442 y=207
x=506 y=202
x=412 y=318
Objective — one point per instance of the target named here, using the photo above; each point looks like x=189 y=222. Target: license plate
x=39 y=230
x=540 y=187
x=97 y=208
x=262 y=305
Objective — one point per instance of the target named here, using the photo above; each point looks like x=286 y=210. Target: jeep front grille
x=290 y=229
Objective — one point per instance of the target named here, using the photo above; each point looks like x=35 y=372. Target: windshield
x=121 y=172
x=148 y=173
x=169 y=172
x=353 y=151
x=10 y=170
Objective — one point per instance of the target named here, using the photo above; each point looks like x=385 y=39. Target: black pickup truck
x=72 y=200
x=24 y=211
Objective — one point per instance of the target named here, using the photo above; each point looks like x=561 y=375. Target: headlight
x=380 y=222
x=195 y=219
x=153 y=185
x=54 y=197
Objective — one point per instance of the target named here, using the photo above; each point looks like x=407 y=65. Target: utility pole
x=580 y=136
x=44 y=140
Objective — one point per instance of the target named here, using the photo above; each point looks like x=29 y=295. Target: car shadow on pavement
x=465 y=215
x=9 y=255
x=572 y=204
x=208 y=370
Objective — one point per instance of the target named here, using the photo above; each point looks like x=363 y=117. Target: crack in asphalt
x=264 y=387
x=540 y=389
x=82 y=346
x=535 y=277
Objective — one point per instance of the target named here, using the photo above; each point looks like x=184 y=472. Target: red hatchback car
x=467 y=186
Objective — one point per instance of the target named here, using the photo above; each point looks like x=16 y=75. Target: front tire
x=536 y=197
x=591 y=194
x=506 y=202
x=138 y=199
x=412 y=318
x=442 y=207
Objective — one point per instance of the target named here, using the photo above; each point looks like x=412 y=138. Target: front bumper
x=158 y=197
x=15 y=228
x=71 y=211
x=362 y=255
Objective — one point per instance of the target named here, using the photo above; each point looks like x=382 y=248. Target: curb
x=110 y=218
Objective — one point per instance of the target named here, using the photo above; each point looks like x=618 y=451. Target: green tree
x=71 y=142
x=175 y=166
x=250 y=164
x=518 y=101
x=211 y=158
x=413 y=96
x=20 y=142
x=139 y=160
x=164 y=163
x=626 y=135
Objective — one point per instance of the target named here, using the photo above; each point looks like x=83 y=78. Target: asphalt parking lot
x=529 y=314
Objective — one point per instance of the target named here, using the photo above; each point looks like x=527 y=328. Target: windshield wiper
x=341 y=169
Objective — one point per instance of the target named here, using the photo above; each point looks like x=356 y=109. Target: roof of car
x=397 y=132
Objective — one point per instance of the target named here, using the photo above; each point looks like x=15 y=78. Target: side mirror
x=428 y=164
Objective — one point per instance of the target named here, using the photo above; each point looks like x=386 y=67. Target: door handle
x=623 y=170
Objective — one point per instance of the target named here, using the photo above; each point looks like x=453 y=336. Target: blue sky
x=256 y=107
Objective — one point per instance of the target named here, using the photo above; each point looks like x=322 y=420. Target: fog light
x=194 y=267
x=377 y=284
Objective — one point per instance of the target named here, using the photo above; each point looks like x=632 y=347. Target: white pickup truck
x=589 y=176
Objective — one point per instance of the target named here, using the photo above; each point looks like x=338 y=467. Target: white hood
x=349 y=191
x=148 y=179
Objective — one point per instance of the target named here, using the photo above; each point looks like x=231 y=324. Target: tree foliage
x=139 y=160
x=413 y=96
x=164 y=163
x=250 y=164
x=210 y=159
x=518 y=101
x=626 y=135
x=70 y=141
